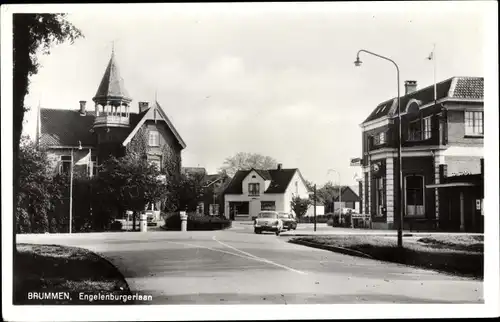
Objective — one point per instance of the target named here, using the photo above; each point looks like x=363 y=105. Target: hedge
x=197 y=222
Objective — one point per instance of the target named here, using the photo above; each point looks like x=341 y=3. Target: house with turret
x=85 y=137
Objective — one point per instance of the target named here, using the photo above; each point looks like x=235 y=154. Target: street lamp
x=340 y=196
x=358 y=63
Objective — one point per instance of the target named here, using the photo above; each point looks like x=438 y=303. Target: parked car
x=288 y=220
x=268 y=221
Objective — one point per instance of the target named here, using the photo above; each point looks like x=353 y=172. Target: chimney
x=410 y=86
x=143 y=106
x=280 y=166
x=82 y=107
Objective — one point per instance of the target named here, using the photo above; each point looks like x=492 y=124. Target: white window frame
x=70 y=161
x=253 y=192
x=426 y=128
x=406 y=193
x=154 y=138
x=471 y=130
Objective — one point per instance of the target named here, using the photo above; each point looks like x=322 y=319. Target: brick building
x=441 y=125
x=70 y=136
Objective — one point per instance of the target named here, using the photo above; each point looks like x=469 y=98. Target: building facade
x=440 y=125
x=82 y=139
x=252 y=191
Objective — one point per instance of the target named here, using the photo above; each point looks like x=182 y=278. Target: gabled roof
x=280 y=179
x=149 y=115
x=60 y=128
x=463 y=88
x=112 y=84
x=65 y=128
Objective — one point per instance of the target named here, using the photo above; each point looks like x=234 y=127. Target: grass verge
x=457 y=255
x=52 y=274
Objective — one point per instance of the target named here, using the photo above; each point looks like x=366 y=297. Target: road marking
x=259 y=258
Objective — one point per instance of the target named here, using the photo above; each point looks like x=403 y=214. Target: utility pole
x=314 y=207
x=71 y=194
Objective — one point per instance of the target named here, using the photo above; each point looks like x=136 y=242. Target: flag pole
x=435 y=84
x=71 y=194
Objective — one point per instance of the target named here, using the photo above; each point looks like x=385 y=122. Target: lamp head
x=358 y=62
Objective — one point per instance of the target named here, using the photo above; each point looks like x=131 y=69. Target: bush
x=116 y=226
x=320 y=219
x=197 y=222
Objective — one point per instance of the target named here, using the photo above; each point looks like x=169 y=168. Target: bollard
x=143 y=222
x=183 y=221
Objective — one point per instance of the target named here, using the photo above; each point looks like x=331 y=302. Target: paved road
x=239 y=267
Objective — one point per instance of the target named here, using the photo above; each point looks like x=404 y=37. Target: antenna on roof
x=156 y=95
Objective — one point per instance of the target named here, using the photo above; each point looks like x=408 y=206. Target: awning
x=451 y=185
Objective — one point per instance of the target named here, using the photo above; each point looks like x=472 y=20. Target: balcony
x=111 y=120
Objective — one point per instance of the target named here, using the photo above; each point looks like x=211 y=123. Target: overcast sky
x=265 y=79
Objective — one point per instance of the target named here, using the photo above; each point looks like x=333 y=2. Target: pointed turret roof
x=112 y=85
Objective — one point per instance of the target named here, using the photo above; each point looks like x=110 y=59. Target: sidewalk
x=337 y=231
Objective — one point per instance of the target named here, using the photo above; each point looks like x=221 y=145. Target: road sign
x=355 y=162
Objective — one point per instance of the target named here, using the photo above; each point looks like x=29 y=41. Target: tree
x=300 y=205
x=32 y=33
x=191 y=190
x=247 y=161
x=129 y=183
x=39 y=192
x=327 y=195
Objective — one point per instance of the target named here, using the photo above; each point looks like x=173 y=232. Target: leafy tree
x=39 y=192
x=32 y=33
x=246 y=161
x=300 y=205
x=191 y=190
x=309 y=185
x=327 y=195
x=129 y=183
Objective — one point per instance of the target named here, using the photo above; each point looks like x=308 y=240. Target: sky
x=278 y=80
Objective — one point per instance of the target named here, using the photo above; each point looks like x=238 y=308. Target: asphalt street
x=237 y=266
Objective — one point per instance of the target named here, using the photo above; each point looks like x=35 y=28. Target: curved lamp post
x=358 y=63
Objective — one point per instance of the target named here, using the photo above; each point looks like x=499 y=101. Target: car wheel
x=257 y=231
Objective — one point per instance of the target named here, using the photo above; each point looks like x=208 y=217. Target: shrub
x=116 y=226
x=197 y=222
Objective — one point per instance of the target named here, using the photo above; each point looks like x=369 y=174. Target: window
x=415 y=195
x=268 y=205
x=380 y=197
x=474 y=124
x=379 y=139
x=92 y=169
x=253 y=189
x=155 y=160
x=154 y=138
x=414 y=131
x=65 y=166
x=426 y=122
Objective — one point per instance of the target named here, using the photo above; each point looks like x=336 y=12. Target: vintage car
x=288 y=220
x=268 y=221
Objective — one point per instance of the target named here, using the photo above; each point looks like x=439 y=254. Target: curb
x=342 y=250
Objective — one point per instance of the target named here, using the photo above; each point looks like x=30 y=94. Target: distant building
x=251 y=191
x=447 y=131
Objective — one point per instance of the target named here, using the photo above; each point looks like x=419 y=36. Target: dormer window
x=415 y=131
x=154 y=138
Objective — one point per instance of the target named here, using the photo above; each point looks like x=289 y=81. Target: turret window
x=154 y=138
